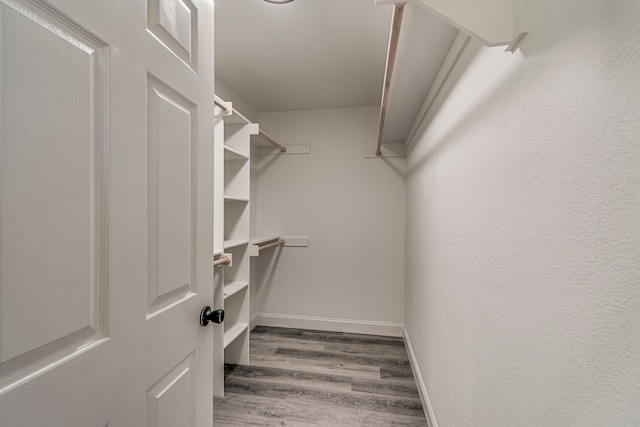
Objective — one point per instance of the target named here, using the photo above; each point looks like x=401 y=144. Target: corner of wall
x=227 y=93
x=422 y=388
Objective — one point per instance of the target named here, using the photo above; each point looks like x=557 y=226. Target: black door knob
x=207 y=315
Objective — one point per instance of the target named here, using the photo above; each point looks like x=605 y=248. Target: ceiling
x=313 y=54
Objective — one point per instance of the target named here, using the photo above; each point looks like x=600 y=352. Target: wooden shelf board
x=258 y=240
x=236 y=199
x=233 y=288
x=234 y=332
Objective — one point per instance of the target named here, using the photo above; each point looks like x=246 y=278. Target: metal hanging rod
x=221 y=261
x=226 y=109
x=272 y=141
x=398 y=11
x=280 y=242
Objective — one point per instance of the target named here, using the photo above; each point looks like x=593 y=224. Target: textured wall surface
x=350 y=207
x=523 y=227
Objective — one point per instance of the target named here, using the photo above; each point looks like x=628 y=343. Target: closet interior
x=339 y=194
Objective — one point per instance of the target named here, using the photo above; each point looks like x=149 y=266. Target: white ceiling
x=312 y=54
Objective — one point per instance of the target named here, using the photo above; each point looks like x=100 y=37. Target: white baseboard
x=422 y=389
x=253 y=321
x=328 y=324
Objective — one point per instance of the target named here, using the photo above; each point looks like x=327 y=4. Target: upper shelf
x=494 y=22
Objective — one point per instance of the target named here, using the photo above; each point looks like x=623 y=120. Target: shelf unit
x=232 y=233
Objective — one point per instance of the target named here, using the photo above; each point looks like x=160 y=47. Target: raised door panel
x=53 y=78
x=174 y=23
x=171 y=400
x=170 y=222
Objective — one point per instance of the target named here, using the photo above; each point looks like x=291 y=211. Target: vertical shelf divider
x=234 y=234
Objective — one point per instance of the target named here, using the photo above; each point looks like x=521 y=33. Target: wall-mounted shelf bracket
x=225 y=259
x=257 y=243
x=494 y=22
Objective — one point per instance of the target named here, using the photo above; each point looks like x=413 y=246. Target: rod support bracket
x=225 y=259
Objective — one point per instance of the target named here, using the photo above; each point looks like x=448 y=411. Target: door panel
x=51 y=198
x=105 y=213
x=171 y=400
x=170 y=152
x=175 y=23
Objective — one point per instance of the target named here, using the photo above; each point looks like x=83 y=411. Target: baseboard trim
x=422 y=389
x=328 y=324
x=253 y=321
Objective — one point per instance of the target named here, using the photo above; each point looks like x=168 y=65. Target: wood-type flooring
x=301 y=377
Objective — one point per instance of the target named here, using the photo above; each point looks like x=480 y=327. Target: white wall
x=352 y=210
x=523 y=227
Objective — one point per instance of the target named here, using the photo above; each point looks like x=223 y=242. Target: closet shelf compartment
x=230 y=244
x=236 y=199
x=232 y=155
x=234 y=332
x=233 y=288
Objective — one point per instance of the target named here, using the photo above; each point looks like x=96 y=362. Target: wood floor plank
x=260 y=411
x=367 y=349
x=300 y=377
x=396 y=372
x=366 y=401
x=293 y=340
x=268 y=373
x=291 y=379
x=387 y=387
x=319 y=366
x=269 y=346
x=242 y=410
x=357 y=359
x=353 y=338
x=283 y=332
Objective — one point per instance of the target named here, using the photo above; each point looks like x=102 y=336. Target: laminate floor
x=300 y=377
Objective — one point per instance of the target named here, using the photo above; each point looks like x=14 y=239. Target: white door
x=106 y=212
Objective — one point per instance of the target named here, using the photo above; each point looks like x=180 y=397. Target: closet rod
x=223 y=260
x=398 y=11
x=220 y=103
x=271 y=140
x=280 y=242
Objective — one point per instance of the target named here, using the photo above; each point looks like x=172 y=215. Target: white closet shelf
x=231 y=154
x=258 y=240
x=230 y=244
x=217 y=252
x=236 y=199
x=234 y=332
x=233 y=288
